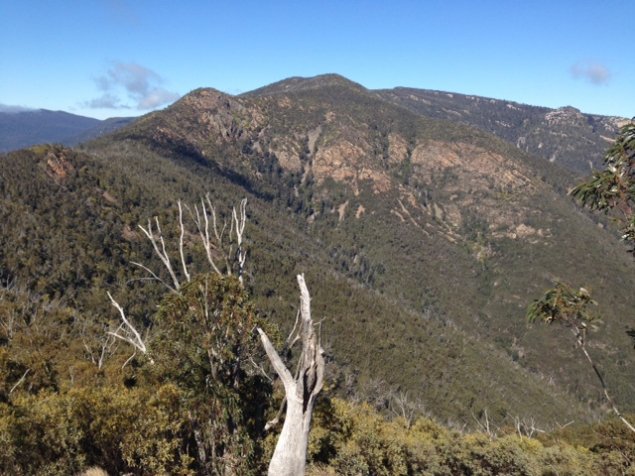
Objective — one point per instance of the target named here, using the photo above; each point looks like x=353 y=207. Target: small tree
x=204 y=338
x=570 y=309
x=209 y=310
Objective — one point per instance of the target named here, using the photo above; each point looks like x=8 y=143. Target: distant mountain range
x=26 y=128
x=565 y=135
x=423 y=235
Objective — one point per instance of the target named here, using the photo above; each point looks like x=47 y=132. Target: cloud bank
x=8 y=108
x=138 y=85
x=595 y=73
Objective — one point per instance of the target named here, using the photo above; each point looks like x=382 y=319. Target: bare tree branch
x=239 y=222
x=161 y=253
x=277 y=364
x=579 y=333
x=131 y=336
x=17 y=384
x=202 y=224
x=154 y=276
x=181 y=236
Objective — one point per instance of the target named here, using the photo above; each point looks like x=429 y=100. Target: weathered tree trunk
x=289 y=457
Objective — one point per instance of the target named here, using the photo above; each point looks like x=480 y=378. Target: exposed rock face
x=58 y=167
x=565 y=116
x=397 y=148
x=566 y=136
x=482 y=168
x=426 y=213
x=322 y=140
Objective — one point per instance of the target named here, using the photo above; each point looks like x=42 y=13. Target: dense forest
x=110 y=358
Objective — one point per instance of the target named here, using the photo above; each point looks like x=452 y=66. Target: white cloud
x=595 y=73
x=106 y=101
x=13 y=109
x=136 y=83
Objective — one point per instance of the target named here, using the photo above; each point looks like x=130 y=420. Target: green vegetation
x=171 y=416
x=613 y=189
x=610 y=190
x=573 y=140
x=195 y=404
x=426 y=254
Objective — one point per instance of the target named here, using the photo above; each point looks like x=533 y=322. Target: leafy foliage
x=565 y=306
x=204 y=341
x=613 y=189
x=362 y=442
x=414 y=282
x=197 y=407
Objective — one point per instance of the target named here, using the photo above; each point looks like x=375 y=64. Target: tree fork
x=301 y=390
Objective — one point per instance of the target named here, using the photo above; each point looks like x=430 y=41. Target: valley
x=425 y=224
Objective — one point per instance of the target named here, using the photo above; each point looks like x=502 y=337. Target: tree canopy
x=612 y=190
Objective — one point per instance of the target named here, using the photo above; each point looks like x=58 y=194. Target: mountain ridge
x=535 y=129
x=471 y=209
x=22 y=129
x=301 y=83
x=422 y=239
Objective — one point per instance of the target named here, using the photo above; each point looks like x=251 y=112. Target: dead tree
x=301 y=390
x=212 y=241
x=128 y=333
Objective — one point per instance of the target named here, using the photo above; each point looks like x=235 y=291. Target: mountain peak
x=298 y=83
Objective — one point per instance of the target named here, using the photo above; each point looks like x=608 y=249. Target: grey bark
x=301 y=390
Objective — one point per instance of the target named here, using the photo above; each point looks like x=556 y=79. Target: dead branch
x=181 y=237
x=238 y=226
x=201 y=221
x=19 y=382
x=130 y=333
x=161 y=253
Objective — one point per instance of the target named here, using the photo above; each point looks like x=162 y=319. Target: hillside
x=423 y=240
x=436 y=218
x=565 y=136
x=27 y=128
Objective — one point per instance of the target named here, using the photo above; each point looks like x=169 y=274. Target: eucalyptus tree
x=571 y=310
x=611 y=191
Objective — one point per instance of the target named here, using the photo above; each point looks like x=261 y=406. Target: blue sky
x=104 y=58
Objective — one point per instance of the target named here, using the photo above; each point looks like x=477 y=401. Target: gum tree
x=570 y=309
x=611 y=191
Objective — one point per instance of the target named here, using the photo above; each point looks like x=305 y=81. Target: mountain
x=423 y=240
x=566 y=136
x=104 y=127
x=25 y=128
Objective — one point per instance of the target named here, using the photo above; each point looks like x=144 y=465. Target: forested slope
x=422 y=242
